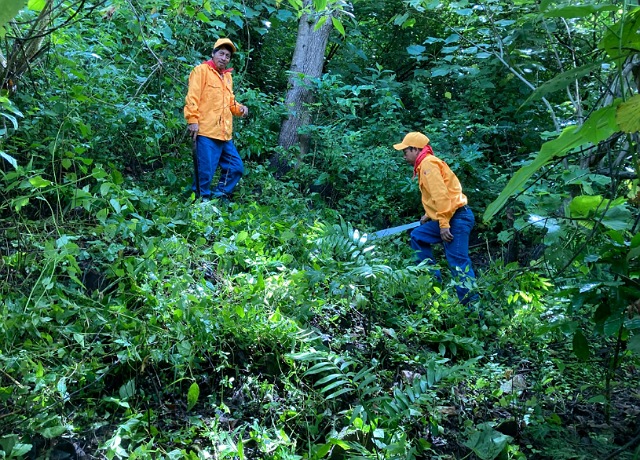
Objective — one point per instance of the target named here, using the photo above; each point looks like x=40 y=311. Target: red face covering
x=427 y=150
x=213 y=66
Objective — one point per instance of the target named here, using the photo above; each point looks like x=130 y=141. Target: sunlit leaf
x=562 y=81
x=570 y=138
x=36 y=5
x=9 y=9
x=9 y=159
x=320 y=23
x=578 y=11
x=628 y=115
x=192 y=395
x=39 y=182
x=338 y=25
x=622 y=38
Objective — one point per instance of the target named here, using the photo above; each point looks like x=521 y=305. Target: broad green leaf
x=8 y=441
x=11 y=118
x=116 y=205
x=416 y=50
x=633 y=323
x=9 y=159
x=203 y=17
x=53 y=431
x=320 y=22
x=597 y=399
x=628 y=115
x=613 y=324
x=617 y=218
x=192 y=395
x=622 y=38
x=39 y=182
x=570 y=138
x=440 y=71
x=320 y=5
x=634 y=344
x=338 y=25
x=400 y=19
x=128 y=389
x=20 y=450
x=79 y=338
x=9 y=9
x=487 y=443
x=62 y=387
x=561 y=81
x=585 y=205
x=600 y=125
x=578 y=11
x=322 y=451
x=36 y=5
x=580 y=345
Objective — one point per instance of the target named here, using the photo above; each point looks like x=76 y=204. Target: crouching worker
x=209 y=109
x=447 y=220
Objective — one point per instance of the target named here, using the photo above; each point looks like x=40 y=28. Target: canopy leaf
x=622 y=38
x=628 y=115
x=598 y=127
x=562 y=80
x=578 y=11
x=9 y=9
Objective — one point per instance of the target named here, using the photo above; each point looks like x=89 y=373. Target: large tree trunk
x=26 y=49
x=308 y=59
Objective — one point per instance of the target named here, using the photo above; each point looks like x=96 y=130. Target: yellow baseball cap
x=417 y=140
x=225 y=42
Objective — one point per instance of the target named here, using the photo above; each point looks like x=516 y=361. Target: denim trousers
x=456 y=252
x=211 y=154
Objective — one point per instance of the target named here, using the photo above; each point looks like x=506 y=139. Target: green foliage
x=138 y=323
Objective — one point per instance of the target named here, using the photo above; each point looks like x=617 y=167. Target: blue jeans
x=211 y=154
x=457 y=252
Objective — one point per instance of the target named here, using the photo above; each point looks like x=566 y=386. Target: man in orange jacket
x=447 y=219
x=209 y=109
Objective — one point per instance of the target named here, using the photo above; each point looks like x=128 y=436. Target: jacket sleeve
x=435 y=184
x=234 y=106
x=192 y=101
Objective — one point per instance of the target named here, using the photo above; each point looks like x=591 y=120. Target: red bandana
x=213 y=66
x=427 y=150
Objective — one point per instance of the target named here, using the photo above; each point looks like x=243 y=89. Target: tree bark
x=307 y=63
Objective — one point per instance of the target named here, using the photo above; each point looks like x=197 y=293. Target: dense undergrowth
x=140 y=324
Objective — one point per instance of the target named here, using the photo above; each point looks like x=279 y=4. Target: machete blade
x=393 y=230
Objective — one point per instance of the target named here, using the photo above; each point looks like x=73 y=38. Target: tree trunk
x=308 y=59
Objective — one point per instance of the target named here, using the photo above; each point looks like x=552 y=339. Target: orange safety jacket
x=441 y=190
x=210 y=102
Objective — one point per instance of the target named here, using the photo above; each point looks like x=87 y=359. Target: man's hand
x=244 y=110
x=193 y=130
x=424 y=219
x=445 y=234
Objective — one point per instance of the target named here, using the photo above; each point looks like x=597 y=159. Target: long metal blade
x=393 y=230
